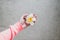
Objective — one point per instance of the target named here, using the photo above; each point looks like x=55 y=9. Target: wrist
x=23 y=25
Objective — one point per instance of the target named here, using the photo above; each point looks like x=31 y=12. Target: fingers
x=24 y=17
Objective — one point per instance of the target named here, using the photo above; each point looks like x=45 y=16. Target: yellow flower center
x=29 y=19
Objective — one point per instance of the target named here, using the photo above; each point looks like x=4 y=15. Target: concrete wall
x=46 y=28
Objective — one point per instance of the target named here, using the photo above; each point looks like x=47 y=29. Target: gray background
x=47 y=26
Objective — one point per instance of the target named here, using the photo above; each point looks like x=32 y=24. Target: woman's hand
x=28 y=19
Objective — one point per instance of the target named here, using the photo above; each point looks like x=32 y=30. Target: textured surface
x=46 y=28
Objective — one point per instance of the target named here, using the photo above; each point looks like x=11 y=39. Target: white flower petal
x=31 y=23
x=34 y=19
x=31 y=15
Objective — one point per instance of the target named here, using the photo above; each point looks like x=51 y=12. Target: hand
x=27 y=20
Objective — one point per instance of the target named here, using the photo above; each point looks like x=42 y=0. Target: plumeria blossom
x=31 y=19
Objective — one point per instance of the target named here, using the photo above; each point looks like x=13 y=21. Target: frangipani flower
x=30 y=19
